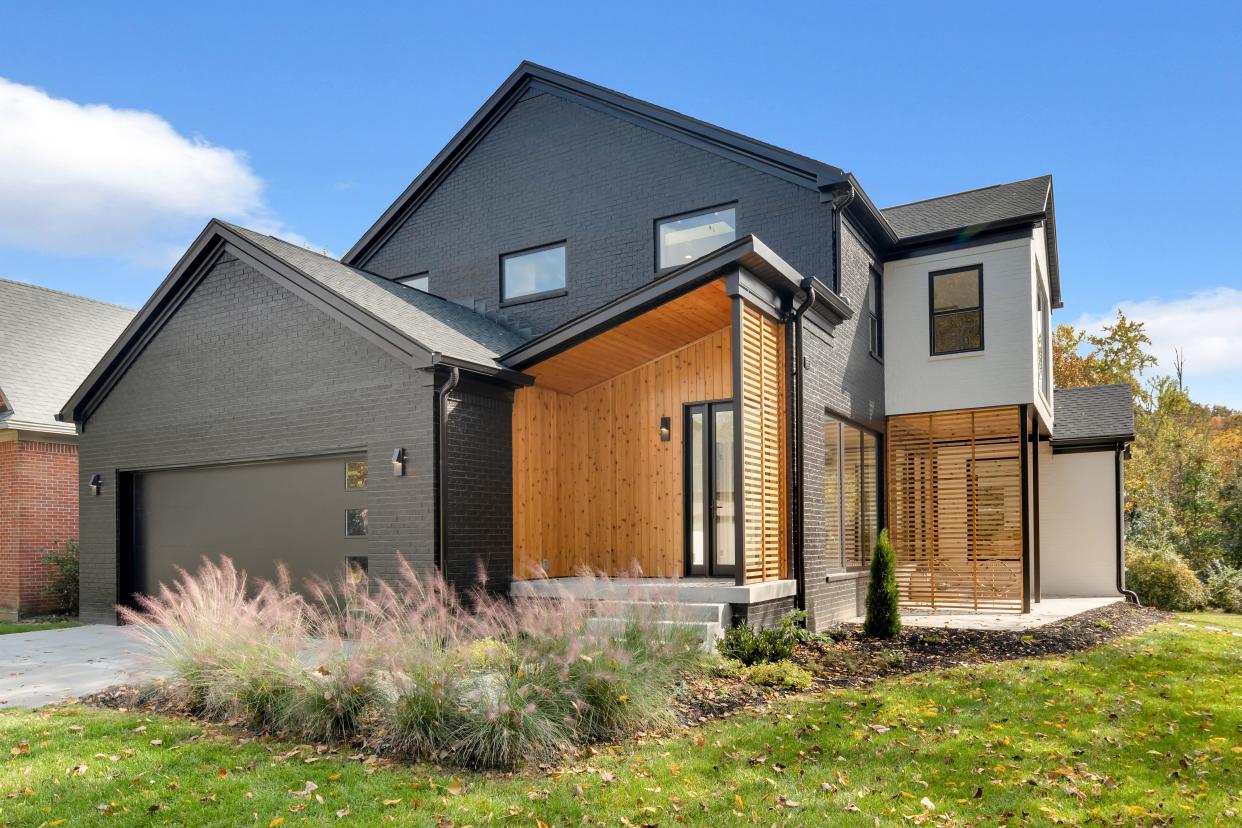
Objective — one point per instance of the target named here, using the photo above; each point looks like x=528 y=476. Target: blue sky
x=307 y=119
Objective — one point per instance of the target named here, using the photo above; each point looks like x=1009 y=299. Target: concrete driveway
x=38 y=668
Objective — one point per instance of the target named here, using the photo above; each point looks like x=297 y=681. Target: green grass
x=1141 y=731
x=1215 y=619
x=22 y=627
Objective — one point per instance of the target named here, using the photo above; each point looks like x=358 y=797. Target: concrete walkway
x=1047 y=611
x=38 y=668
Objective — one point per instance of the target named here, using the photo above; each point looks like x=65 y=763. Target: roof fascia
x=944 y=243
x=805 y=172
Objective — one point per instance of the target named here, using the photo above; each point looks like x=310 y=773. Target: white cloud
x=95 y=180
x=1206 y=326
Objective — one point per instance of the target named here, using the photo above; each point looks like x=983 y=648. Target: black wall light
x=398 y=462
x=96 y=484
x=665 y=430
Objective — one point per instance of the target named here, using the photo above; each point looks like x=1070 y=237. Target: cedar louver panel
x=955 y=508
x=763 y=437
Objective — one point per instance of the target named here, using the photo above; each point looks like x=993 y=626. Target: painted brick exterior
x=480 y=487
x=840 y=376
x=38 y=512
x=245 y=369
x=553 y=170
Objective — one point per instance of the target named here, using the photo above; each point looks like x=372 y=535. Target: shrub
x=883 y=616
x=1224 y=587
x=64 y=587
x=782 y=673
x=1162 y=579
x=749 y=645
x=893 y=658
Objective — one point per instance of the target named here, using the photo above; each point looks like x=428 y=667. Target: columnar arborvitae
x=883 y=616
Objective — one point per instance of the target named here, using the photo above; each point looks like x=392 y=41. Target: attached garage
x=309 y=513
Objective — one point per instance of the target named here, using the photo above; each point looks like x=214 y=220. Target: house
x=49 y=341
x=597 y=334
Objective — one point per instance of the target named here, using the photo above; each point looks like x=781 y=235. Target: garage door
x=309 y=513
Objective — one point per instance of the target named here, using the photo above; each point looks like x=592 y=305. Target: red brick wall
x=38 y=510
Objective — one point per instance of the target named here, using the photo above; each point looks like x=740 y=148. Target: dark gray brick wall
x=480 y=487
x=246 y=369
x=553 y=169
x=766 y=614
x=840 y=376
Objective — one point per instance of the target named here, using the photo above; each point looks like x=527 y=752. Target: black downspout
x=1023 y=440
x=796 y=366
x=1130 y=595
x=441 y=466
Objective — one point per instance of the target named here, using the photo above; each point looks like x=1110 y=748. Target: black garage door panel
x=291 y=511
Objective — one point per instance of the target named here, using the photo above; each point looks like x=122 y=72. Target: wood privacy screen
x=763 y=446
x=593 y=485
x=955 y=508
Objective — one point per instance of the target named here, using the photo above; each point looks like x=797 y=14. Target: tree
x=883 y=617
x=1118 y=355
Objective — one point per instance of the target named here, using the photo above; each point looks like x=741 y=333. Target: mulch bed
x=853 y=660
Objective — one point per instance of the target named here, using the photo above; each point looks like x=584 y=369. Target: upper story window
x=419 y=281
x=683 y=239
x=1043 y=369
x=956 y=310
x=531 y=273
x=875 y=307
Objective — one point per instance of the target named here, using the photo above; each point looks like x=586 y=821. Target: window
x=851 y=492
x=356 y=475
x=419 y=281
x=1042 y=370
x=683 y=239
x=957 y=310
x=532 y=272
x=875 y=304
x=355 y=523
x=356 y=568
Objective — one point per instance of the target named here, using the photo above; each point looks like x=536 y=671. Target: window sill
x=958 y=355
x=534 y=297
x=848 y=575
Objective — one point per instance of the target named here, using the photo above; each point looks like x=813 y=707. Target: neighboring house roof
x=49 y=341
x=973 y=212
x=1096 y=414
x=409 y=323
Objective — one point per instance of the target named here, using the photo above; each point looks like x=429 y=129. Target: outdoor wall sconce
x=398 y=462
x=665 y=432
x=96 y=484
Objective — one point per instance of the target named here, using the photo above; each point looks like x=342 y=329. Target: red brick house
x=49 y=341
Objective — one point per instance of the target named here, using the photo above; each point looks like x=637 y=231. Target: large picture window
x=851 y=492
x=683 y=239
x=957 y=310
x=531 y=273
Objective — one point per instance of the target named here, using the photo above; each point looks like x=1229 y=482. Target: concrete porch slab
x=1047 y=611
x=679 y=590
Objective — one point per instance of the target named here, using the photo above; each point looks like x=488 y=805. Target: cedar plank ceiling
x=664 y=328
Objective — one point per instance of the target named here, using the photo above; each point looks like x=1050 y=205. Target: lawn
x=23 y=626
x=1145 y=730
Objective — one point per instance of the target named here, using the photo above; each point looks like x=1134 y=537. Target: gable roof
x=799 y=169
x=1096 y=414
x=978 y=211
x=49 y=341
x=412 y=325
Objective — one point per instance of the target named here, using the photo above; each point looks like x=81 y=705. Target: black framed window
x=851 y=492
x=956 y=304
x=875 y=310
x=532 y=273
x=418 y=281
x=682 y=239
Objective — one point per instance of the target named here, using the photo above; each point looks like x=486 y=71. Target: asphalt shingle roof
x=969 y=209
x=1098 y=412
x=435 y=323
x=49 y=342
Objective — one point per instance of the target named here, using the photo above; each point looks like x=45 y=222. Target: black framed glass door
x=711 y=510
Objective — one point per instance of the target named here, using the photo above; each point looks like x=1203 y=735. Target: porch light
x=665 y=432
x=96 y=484
x=398 y=462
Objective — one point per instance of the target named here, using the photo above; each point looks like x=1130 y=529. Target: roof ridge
x=65 y=293
x=966 y=192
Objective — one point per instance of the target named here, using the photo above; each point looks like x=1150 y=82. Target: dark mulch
x=850 y=659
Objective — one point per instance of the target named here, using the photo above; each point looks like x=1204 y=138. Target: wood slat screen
x=955 y=508
x=763 y=447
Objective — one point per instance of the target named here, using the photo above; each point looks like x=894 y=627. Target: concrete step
x=709 y=620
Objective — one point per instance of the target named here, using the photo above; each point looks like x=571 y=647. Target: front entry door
x=711 y=540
